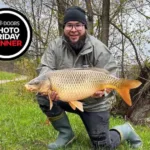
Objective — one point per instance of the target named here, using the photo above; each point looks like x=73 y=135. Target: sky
x=2 y=5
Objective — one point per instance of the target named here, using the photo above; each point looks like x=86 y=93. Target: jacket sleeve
x=106 y=60
x=48 y=60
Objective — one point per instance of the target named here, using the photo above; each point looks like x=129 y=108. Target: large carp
x=77 y=84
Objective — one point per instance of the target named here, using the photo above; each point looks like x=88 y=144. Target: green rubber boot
x=66 y=135
x=127 y=132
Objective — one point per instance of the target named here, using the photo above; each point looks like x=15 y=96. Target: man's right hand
x=54 y=96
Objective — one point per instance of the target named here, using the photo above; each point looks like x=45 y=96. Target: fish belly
x=76 y=93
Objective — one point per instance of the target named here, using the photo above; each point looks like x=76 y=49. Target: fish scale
x=74 y=83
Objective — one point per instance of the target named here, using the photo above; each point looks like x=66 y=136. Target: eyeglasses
x=78 y=27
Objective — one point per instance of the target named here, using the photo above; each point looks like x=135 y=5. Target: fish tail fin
x=125 y=87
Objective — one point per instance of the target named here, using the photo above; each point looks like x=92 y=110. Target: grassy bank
x=22 y=124
x=8 y=76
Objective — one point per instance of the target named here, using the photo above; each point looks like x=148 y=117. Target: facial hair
x=76 y=46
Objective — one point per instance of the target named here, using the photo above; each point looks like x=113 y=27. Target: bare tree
x=61 y=11
x=105 y=22
x=90 y=15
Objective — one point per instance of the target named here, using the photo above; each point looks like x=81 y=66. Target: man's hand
x=101 y=93
x=108 y=90
x=54 y=96
x=98 y=94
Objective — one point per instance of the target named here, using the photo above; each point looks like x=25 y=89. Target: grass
x=22 y=124
x=7 y=76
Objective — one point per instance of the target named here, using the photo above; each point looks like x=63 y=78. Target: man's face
x=74 y=30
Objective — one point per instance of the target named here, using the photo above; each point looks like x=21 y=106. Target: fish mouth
x=26 y=86
x=29 y=88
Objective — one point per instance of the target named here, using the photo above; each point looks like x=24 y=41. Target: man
x=76 y=48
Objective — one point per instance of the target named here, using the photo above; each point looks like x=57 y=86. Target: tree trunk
x=105 y=22
x=90 y=16
x=139 y=112
x=76 y=2
x=61 y=11
x=35 y=26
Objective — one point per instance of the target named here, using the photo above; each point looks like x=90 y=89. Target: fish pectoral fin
x=72 y=106
x=50 y=101
x=76 y=104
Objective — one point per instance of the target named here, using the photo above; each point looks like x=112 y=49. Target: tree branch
x=147 y=17
x=134 y=47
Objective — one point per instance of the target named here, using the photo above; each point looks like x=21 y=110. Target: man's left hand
x=101 y=93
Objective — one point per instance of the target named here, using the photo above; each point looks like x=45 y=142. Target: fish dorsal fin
x=91 y=68
x=100 y=70
x=76 y=104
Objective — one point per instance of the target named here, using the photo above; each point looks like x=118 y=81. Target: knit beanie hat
x=75 y=13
